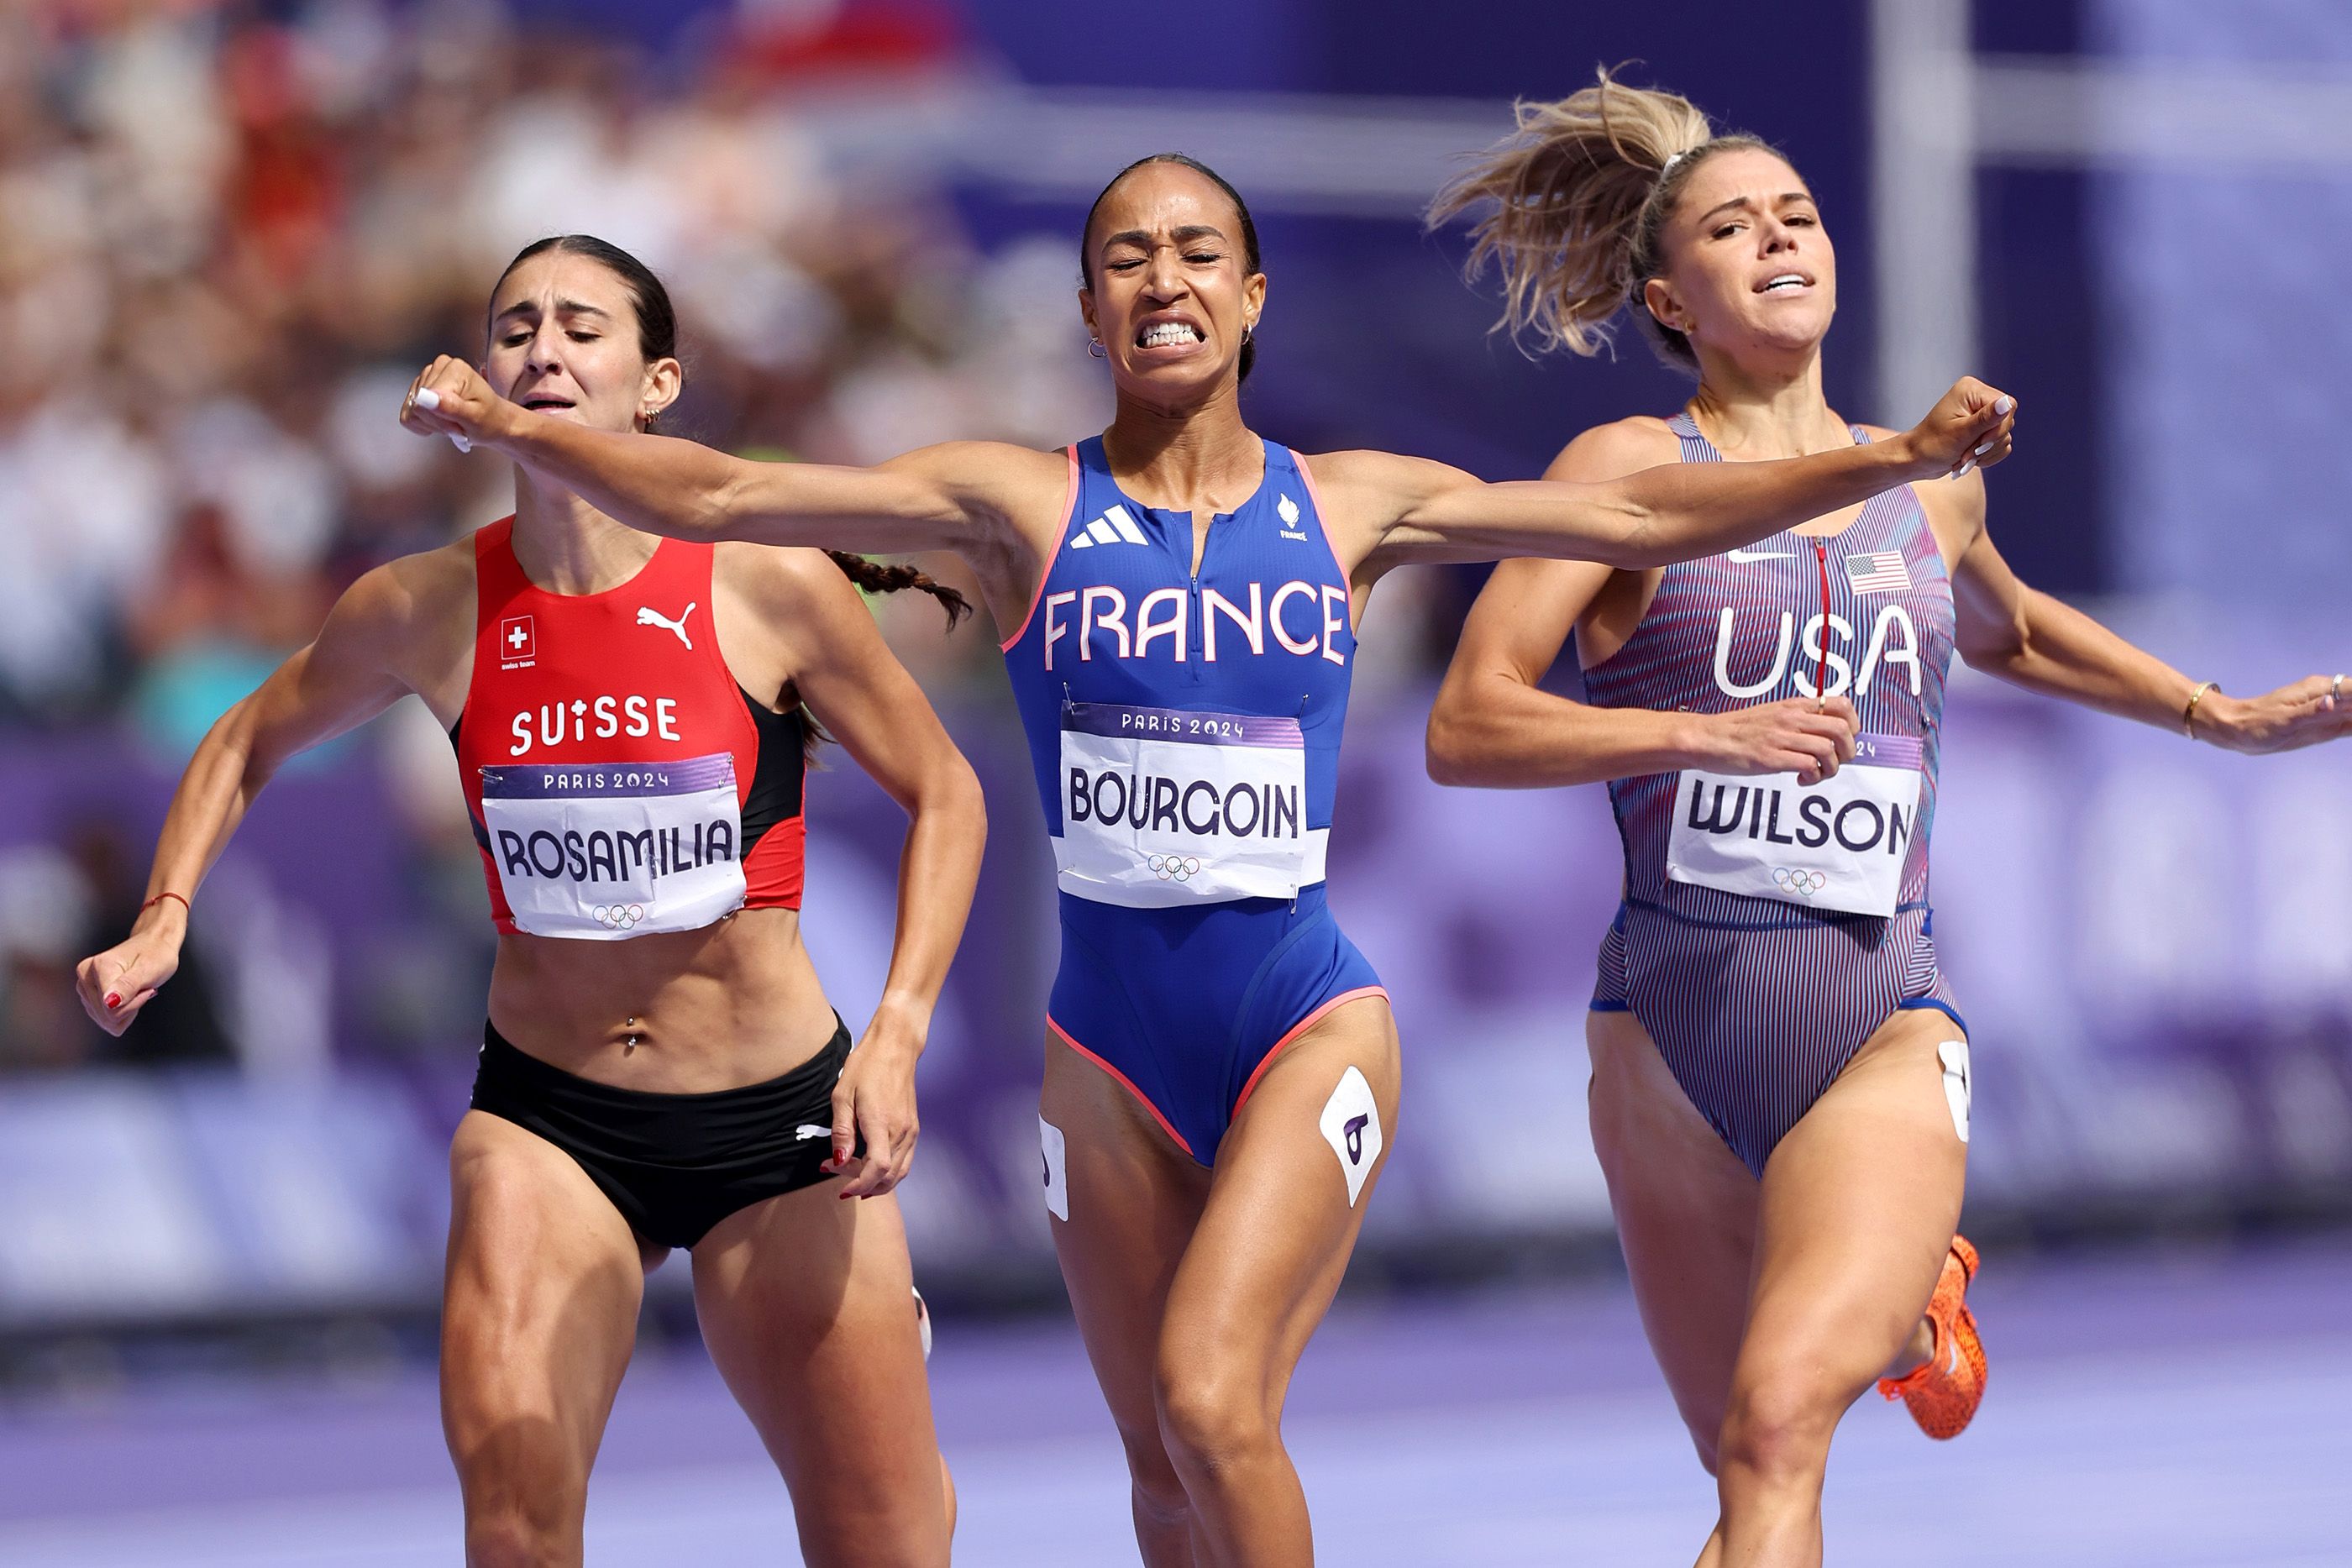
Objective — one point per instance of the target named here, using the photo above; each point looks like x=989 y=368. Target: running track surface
x=2149 y=1410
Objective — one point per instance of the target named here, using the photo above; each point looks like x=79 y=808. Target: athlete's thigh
x=1295 y=1174
x=1859 y=1204
x=538 y=1313
x=807 y=1305
x=1686 y=1210
x=1133 y=1199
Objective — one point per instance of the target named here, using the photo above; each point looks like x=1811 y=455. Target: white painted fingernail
x=428 y=400
x=1962 y=471
x=461 y=443
x=2004 y=404
x=1985 y=448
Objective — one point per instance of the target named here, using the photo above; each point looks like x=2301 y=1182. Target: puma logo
x=649 y=616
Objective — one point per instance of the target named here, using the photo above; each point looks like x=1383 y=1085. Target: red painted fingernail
x=113 y=1000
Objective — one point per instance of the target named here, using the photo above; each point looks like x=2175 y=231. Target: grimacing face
x=1746 y=262
x=564 y=342
x=1171 y=295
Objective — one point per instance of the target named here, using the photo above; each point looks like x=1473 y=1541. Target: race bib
x=1161 y=807
x=605 y=851
x=1837 y=845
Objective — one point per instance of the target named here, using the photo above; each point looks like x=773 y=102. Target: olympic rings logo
x=1175 y=868
x=617 y=917
x=1805 y=883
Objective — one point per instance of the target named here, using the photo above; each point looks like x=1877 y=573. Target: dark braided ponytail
x=877 y=577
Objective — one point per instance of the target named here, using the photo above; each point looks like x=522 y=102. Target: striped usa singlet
x=1768 y=930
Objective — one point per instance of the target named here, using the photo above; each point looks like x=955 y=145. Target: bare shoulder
x=411 y=594
x=1611 y=451
x=792 y=582
x=1376 y=488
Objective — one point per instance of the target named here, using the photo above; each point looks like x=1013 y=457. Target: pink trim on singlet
x=1045 y=571
x=1301 y=1027
x=1323 y=521
x=1124 y=1081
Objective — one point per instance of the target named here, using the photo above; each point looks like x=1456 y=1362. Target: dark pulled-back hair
x=1250 y=262
x=658 y=340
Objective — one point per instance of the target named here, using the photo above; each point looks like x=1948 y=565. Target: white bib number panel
x=1162 y=806
x=1838 y=845
x=607 y=850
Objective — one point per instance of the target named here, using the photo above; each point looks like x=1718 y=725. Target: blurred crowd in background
x=228 y=240
x=231 y=231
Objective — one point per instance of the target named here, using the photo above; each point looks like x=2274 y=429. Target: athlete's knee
x=524 y=1497
x=1213 y=1418
x=1777 y=1428
x=1709 y=1447
x=1159 y=1489
x=512 y=1536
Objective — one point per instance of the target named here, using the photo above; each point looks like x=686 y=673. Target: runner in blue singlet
x=1181 y=597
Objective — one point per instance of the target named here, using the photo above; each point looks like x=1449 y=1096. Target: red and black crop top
x=620 y=780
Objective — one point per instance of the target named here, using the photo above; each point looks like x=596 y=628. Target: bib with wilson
x=606 y=851
x=1839 y=845
x=1162 y=806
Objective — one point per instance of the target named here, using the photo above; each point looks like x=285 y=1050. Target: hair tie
x=1668 y=166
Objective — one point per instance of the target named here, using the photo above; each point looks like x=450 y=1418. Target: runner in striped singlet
x=1180 y=600
x=1779 y=1080
x=1810 y=907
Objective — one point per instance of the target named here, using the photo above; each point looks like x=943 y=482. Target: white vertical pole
x=1923 y=192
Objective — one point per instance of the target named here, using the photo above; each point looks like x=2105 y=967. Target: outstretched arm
x=1679 y=511
x=2031 y=639
x=938 y=498
x=864 y=697
x=1494 y=724
x=338 y=683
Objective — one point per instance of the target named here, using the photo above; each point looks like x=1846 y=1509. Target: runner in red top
x=661 y=1068
x=717 y=828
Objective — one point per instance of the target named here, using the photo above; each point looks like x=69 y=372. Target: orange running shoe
x=1944 y=1390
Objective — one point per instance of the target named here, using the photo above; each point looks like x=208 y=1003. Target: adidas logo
x=1114 y=527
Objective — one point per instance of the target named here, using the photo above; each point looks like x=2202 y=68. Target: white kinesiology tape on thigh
x=1057 y=1170
x=1351 y=1126
x=1954 y=1055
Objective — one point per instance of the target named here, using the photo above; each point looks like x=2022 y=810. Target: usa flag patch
x=1881 y=571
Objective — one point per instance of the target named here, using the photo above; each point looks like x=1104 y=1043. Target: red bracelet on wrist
x=161 y=897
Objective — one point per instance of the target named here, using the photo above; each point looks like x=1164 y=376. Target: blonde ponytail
x=1569 y=207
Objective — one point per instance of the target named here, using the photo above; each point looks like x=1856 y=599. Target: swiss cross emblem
x=517 y=645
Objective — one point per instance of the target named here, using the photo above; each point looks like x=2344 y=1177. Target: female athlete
x=1179 y=598
x=1779 y=1075
x=661 y=1068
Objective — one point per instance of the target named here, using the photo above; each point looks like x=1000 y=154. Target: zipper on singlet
x=1822 y=666
x=1200 y=606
